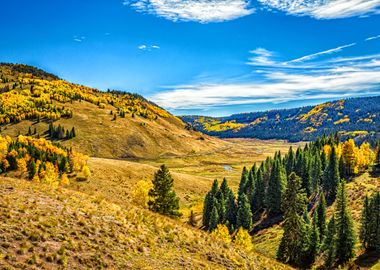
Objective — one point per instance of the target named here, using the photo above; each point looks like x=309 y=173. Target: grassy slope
x=268 y=240
x=44 y=228
x=98 y=135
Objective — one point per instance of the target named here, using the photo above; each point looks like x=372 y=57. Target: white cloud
x=79 y=39
x=325 y=9
x=372 y=38
x=315 y=55
x=330 y=79
x=204 y=11
x=261 y=57
x=144 y=47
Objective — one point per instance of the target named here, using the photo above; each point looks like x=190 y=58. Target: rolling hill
x=109 y=124
x=43 y=228
x=351 y=117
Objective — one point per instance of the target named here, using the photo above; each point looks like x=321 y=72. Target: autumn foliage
x=40 y=160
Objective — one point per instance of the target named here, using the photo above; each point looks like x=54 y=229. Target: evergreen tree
x=375 y=222
x=163 y=199
x=374 y=225
x=290 y=161
x=244 y=214
x=365 y=229
x=214 y=218
x=276 y=188
x=345 y=241
x=314 y=241
x=332 y=177
x=316 y=173
x=231 y=211
x=208 y=203
x=321 y=214
x=73 y=133
x=32 y=169
x=329 y=244
x=243 y=181
x=295 y=241
x=258 y=197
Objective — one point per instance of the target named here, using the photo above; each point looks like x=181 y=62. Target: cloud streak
x=315 y=55
x=325 y=9
x=203 y=11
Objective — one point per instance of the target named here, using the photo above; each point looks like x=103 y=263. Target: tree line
x=296 y=188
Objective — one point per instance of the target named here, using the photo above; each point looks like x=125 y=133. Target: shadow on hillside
x=266 y=222
x=368 y=259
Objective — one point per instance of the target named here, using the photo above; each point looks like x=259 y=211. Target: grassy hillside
x=107 y=124
x=52 y=229
x=351 y=117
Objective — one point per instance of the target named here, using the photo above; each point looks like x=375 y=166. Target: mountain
x=350 y=117
x=109 y=124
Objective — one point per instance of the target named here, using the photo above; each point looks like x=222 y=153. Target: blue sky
x=209 y=57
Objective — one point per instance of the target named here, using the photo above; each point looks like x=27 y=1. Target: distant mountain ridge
x=350 y=117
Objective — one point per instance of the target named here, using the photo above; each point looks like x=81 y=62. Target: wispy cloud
x=325 y=9
x=315 y=55
x=372 y=38
x=282 y=81
x=261 y=57
x=203 y=11
x=145 y=47
x=79 y=39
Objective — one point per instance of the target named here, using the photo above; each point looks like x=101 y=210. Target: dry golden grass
x=43 y=228
x=98 y=135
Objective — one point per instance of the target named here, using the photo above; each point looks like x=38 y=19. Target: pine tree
x=231 y=211
x=258 y=196
x=344 y=227
x=290 y=161
x=365 y=229
x=276 y=188
x=32 y=169
x=163 y=199
x=321 y=213
x=332 y=178
x=295 y=241
x=329 y=244
x=314 y=246
x=374 y=227
x=244 y=214
x=316 y=172
x=243 y=182
x=208 y=203
x=214 y=218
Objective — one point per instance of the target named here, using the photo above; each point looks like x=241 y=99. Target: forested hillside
x=33 y=102
x=351 y=117
x=306 y=192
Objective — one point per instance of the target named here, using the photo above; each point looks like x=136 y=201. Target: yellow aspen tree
x=327 y=150
x=21 y=165
x=350 y=156
x=140 y=194
x=243 y=239
x=65 y=180
x=366 y=156
x=86 y=172
x=51 y=175
x=221 y=232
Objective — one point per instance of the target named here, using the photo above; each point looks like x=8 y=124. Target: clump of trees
x=288 y=187
x=40 y=160
x=370 y=223
x=59 y=132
